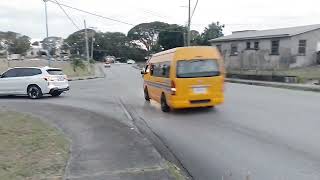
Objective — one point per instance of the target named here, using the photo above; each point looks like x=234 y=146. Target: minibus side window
x=156 y=70
x=166 y=70
x=161 y=70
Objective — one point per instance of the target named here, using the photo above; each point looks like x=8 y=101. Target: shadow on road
x=193 y=111
x=26 y=97
x=188 y=111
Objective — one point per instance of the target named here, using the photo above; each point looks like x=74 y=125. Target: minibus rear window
x=197 y=68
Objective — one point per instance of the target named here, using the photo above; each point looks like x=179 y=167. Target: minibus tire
x=164 y=105
x=146 y=94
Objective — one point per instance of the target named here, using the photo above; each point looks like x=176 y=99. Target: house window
x=302 y=47
x=275 y=47
x=256 y=45
x=248 y=45
x=234 y=50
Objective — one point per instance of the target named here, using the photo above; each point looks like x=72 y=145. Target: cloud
x=27 y=16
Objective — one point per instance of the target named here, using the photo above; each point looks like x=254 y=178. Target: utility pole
x=8 y=58
x=189 y=24
x=87 y=44
x=46 y=12
x=93 y=39
x=47 y=30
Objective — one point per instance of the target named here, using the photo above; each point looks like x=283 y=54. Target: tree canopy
x=142 y=40
x=147 y=33
x=15 y=42
x=214 y=30
x=106 y=44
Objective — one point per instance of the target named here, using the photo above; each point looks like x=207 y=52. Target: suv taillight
x=48 y=78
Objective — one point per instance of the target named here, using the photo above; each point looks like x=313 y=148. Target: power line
x=93 y=14
x=67 y=15
x=153 y=13
x=194 y=9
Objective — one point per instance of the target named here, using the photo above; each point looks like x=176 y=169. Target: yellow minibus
x=185 y=77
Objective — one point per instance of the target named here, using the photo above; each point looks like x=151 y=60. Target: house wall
x=263 y=60
x=313 y=38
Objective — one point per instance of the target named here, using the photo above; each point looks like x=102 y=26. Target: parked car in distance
x=33 y=81
x=130 y=61
x=107 y=65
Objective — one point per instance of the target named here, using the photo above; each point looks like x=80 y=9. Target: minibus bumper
x=176 y=103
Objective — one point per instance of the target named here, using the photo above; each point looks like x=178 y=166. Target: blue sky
x=27 y=16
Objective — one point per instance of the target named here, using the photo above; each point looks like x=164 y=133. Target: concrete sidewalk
x=303 y=87
x=102 y=147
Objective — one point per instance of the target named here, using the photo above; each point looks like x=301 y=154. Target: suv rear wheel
x=34 y=92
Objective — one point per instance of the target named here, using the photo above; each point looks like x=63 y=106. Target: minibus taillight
x=173 y=88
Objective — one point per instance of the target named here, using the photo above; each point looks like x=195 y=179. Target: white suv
x=33 y=81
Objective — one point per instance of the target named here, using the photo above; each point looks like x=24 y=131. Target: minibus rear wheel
x=146 y=94
x=164 y=105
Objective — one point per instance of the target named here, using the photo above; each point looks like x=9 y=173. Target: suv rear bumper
x=59 y=90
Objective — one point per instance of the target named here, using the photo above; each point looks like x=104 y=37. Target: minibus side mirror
x=143 y=72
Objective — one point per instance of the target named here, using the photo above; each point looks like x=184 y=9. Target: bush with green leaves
x=77 y=63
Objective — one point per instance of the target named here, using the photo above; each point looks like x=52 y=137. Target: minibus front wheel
x=164 y=105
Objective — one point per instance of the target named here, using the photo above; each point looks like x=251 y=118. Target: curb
x=160 y=146
x=136 y=67
x=85 y=78
x=301 y=87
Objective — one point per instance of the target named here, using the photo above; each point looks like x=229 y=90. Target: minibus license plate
x=200 y=90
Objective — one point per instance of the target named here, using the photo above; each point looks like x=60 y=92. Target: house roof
x=271 y=33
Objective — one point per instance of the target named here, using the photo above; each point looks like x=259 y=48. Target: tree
x=76 y=41
x=172 y=37
x=195 y=37
x=147 y=34
x=15 y=42
x=214 y=30
x=52 y=44
x=20 y=45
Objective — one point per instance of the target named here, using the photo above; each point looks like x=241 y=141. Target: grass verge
x=303 y=74
x=175 y=171
x=65 y=66
x=30 y=149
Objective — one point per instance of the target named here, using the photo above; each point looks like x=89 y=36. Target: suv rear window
x=55 y=72
x=197 y=68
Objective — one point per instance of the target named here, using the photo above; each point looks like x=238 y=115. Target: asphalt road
x=260 y=133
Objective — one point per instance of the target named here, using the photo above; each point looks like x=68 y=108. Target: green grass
x=303 y=74
x=69 y=71
x=30 y=149
x=65 y=66
x=175 y=171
